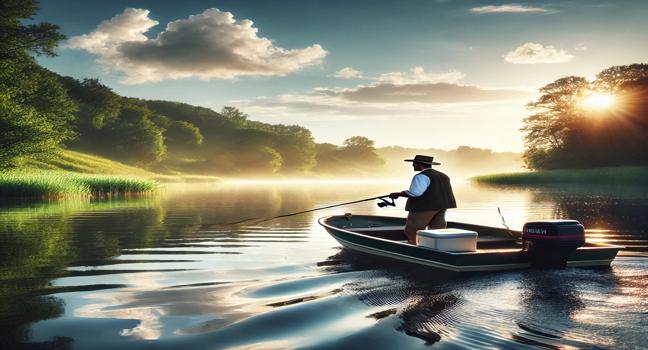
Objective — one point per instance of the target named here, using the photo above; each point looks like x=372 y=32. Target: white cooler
x=448 y=239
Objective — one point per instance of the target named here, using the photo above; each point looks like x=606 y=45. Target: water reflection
x=610 y=213
x=163 y=272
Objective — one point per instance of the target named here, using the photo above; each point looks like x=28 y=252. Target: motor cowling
x=549 y=243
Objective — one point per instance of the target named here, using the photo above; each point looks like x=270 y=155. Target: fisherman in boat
x=428 y=197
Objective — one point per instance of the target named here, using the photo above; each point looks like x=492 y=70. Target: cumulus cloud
x=411 y=93
x=348 y=73
x=509 y=8
x=531 y=53
x=417 y=75
x=209 y=45
x=128 y=26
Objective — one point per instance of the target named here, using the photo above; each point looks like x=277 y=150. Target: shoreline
x=631 y=175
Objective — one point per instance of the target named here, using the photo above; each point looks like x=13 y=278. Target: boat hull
x=509 y=257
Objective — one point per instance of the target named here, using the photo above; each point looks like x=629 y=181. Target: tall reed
x=63 y=184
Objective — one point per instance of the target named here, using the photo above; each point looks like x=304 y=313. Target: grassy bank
x=78 y=162
x=55 y=184
x=69 y=174
x=611 y=175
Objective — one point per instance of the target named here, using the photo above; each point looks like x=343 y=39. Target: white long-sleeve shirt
x=419 y=184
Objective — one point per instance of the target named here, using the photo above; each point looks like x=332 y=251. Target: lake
x=163 y=272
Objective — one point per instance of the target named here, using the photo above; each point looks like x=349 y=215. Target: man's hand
x=395 y=195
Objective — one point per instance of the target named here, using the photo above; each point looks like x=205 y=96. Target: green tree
x=615 y=78
x=234 y=116
x=361 y=150
x=140 y=140
x=547 y=131
x=97 y=104
x=182 y=137
x=297 y=148
x=18 y=39
x=35 y=113
x=565 y=133
x=35 y=109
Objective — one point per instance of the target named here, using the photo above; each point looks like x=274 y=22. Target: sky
x=414 y=73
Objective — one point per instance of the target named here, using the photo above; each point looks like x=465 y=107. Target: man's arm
x=419 y=184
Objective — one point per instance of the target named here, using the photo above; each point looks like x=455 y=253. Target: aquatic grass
x=65 y=184
x=609 y=175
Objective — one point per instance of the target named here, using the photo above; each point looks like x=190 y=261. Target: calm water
x=152 y=273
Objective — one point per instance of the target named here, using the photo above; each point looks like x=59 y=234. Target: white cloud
x=433 y=113
x=417 y=75
x=209 y=45
x=128 y=26
x=333 y=118
x=381 y=102
x=581 y=47
x=348 y=73
x=531 y=53
x=509 y=8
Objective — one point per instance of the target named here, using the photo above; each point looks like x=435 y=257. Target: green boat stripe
x=430 y=262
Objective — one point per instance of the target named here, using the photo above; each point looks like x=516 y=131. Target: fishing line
x=381 y=204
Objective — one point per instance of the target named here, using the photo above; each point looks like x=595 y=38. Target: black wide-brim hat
x=419 y=158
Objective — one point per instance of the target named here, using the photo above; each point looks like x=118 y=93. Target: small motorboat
x=466 y=247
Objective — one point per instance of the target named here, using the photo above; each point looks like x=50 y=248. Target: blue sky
x=419 y=73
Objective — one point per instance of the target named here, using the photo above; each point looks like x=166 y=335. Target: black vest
x=437 y=196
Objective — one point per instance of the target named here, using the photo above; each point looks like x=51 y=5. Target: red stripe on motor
x=529 y=235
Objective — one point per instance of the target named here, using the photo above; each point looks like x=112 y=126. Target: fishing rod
x=382 y=204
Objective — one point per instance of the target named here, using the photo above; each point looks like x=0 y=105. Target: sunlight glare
x=598 y=100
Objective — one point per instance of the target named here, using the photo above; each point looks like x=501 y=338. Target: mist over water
x=159 y=272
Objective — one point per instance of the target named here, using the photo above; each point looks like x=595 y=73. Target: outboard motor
x=548 y=243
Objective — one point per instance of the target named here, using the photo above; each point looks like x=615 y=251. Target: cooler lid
x=446 y=233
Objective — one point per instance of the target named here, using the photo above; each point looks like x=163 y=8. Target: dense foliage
x=566 y=132
x=35 y=110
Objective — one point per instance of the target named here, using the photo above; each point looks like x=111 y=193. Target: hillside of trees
x=42 y=112
x=566 y=131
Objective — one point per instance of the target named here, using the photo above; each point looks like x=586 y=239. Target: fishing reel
x=386 y=203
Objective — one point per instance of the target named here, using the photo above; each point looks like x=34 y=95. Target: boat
x=539 y=244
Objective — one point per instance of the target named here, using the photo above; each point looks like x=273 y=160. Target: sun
x=598 y=100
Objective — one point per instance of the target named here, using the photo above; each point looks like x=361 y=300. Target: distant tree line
x=41 y=111
x=566 y=132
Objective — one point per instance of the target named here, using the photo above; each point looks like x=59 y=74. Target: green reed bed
x=64 y=184
x=610 y=175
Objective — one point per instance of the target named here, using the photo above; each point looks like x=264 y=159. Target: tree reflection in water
x=40 y=240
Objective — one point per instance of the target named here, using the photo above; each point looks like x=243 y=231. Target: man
x=428 y=197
